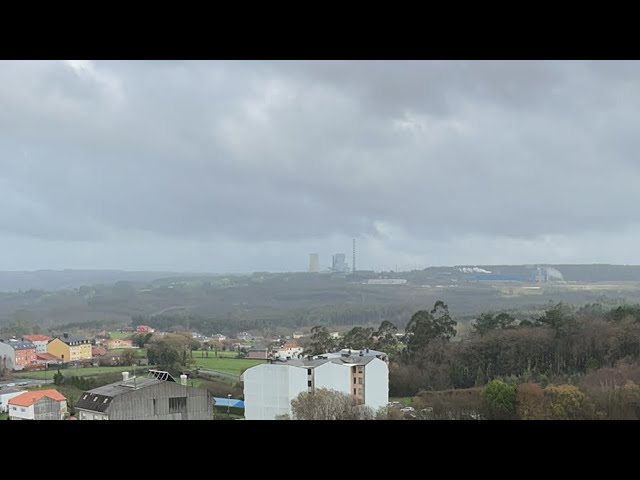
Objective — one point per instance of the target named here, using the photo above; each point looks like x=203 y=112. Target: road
x=24 y=383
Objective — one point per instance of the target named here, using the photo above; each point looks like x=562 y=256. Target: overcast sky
x=248 y=166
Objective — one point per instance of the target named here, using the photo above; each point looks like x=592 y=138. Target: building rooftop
x=100 y=398
x=36 y=338
x=29 y=398
x=20 y=345
x=69 y=339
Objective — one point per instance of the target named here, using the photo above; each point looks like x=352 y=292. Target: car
x=407 y=409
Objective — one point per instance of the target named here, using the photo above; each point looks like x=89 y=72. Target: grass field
x=202 y=353
x=78 y=372
x=232 y=366
x=140 y=352
x=4 y=416
x=120 y=335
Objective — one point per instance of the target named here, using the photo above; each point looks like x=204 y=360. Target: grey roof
x=21 y=345
x=100 y=398
x=4 y=391
x=342 y=360
x=73 y=339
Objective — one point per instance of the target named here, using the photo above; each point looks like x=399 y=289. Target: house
x=287 y=351
x=40 y=341
x=144 y=329
x=7 y=394
x=47 y=358
x=16 y=354
x=116 y=343
x=270 y=387
x=98 y=351
x=297 y=335
x=70 y=348
x=38 y=405
x=258 y=353
x=155 y=397
x=244 y=336
x=218 y=337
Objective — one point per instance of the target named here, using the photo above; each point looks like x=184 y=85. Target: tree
x=358 y=338
x=426 y=326
x=488 y=322
x=320 y=341
x=325 y=404
x=558 y=318
x=386 y=337
x=567 y=402
x=500 y=400
x=127 y=357
x=58 y=378
x=532 y=403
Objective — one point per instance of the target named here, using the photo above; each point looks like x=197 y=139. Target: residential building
x=219 y=337
x=156 y=397
x=116 y=343
x=144 y=329
x=38 y=405
x=244 y=336
x=16 y=354
x=47 y=358
x=258 y=353
x=7 y=394
x=40 y=341
x=98 y=351
x=70 y=348
x=269 y=388
x=287 y=351
x=297 y=335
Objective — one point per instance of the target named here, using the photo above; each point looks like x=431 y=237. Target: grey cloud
x=300 y=151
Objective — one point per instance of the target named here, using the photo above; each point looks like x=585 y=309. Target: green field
x=231 y=366
x=119 y=335
x=78 y=372
x=140 y=352
x=202 y=353
x=4 y=416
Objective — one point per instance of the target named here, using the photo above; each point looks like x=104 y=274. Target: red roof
x=46 y=356
x=36 y=338
x=290 y=345
x=29 y=398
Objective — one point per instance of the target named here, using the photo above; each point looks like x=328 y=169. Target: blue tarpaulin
x=228 y=402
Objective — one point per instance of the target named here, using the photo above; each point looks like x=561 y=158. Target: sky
x=241 y=166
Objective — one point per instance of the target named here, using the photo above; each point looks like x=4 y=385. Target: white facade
x=7 y=356
x=376 y=384
x=270 y=388
x=41 y=346
x=5 y=397
x=291 y=352
x=17 y=412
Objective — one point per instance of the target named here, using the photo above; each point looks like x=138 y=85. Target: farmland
x=232 y=366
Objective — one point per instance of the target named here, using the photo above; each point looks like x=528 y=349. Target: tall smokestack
x=354 y=256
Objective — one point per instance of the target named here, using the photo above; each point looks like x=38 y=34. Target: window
x=360 y=380
x=85 y=397
x=354 y=391
x=308 y=371
x=354 y=380
x=95 y=399
x=309 y=383
x=177 y=404
x=23 y=409
x=155 y=407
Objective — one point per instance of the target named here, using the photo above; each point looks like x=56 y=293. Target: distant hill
x=65 y=279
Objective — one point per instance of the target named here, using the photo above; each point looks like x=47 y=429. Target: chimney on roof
x=125 y=376
x=65 y=335
x=183 y=379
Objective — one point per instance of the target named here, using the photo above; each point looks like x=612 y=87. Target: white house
x=287 y=351
x=38 y=405
x=40 y=341
x=270 y=387
x=7 y=394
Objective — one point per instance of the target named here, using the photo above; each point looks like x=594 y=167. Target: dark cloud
x=408 y=156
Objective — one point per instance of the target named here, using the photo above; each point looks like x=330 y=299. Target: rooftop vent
x=125 y=376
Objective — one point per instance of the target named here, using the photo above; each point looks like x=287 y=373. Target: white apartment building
x=270 y=387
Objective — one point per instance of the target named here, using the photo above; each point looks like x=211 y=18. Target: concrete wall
x=17 y=412
x=152 y=403
x=269 y=389
x=376 y=384
x=7 y=356
x=334 y=377
x=5 y=397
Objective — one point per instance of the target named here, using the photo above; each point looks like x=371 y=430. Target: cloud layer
x=240 y=166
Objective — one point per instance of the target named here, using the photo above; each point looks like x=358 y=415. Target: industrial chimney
x=183 y=379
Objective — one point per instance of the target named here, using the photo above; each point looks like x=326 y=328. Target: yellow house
x=70 y=348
